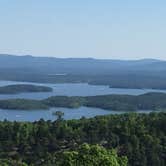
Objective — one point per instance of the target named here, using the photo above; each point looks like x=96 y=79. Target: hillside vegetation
x=103 y=140
x=149 y=101
x=23 y=88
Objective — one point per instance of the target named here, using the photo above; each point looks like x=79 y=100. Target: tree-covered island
x=148 y=101
x=23 y=88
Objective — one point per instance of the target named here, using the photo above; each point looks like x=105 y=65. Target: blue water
x=34 y=115
x=20 y=115
x=67 y=89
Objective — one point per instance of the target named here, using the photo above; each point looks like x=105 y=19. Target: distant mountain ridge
x=87 y=58
x=7 y=60
x=143 y=73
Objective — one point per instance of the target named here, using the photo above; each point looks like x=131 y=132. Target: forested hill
x=140 y=137
x=20 y=88
x=79 y=65
x=146 y=73
x=149 y=101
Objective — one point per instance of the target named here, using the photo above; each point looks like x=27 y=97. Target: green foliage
x=22 y=104
x=9 y=162
x=20 y=88
x=93 y=155
x=149 y=101
x=140 y=137
x=59 y=115
x=64 y=101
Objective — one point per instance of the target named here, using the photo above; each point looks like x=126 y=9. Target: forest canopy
x=148 y=101
x=139 y=137
x=23 y=88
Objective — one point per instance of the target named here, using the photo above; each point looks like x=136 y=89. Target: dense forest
x=20 y=88
x=84 y=155
x=148 y=101
x=116 y=140
x=22 y=104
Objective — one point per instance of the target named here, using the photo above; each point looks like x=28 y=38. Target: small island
x=22 y=104
x=148 y=101
x=23 y=88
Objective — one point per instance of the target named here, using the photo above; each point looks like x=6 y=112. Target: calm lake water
x=67 y=89
x=34 y=115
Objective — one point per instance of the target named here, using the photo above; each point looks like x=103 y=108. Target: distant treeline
x=115 y=80
x=20 y=88
x=149 y=101
x=140 y=137
x=146 y=73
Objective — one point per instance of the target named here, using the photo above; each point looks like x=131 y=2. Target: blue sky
x=121 y=29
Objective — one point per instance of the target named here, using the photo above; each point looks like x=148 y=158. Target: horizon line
x=88 y=57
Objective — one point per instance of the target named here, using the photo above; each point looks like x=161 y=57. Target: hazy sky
x=121 y=29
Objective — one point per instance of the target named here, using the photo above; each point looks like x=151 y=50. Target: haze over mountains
x=144 y=73
x=69 y=64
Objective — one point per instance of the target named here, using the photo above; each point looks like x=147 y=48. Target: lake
x=71 y=89
x=67 y=89
x=34 y=115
